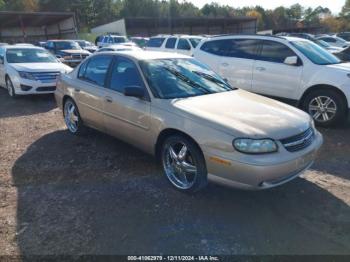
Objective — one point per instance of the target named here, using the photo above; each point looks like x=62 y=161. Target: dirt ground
x=61 y=194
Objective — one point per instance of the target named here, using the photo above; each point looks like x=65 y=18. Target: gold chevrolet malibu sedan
x=200 y=128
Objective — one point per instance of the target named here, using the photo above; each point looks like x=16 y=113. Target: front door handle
x=76 y=90
x=224 y=64
x=108 y=99
x=260 y=68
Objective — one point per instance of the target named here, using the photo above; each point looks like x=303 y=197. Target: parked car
x=120 y=47
x=325 y=45
x=68 y=51
x=86 y=45
x=183 y=44
x=41 y=44
x=335 y=41
x=344 y=35
x=344 y=54
x=140 y=41
x=29 y=70
x=292 y=69
x=201 y=128
x=112 y=40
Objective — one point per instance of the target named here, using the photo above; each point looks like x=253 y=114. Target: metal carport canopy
x=31 y=19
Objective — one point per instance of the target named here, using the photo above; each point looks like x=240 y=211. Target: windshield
x=345 y=36
x=67 y=45
x=195 y=41
x=82 y=43
x=178 y=78
x=321 y=43
x=29 y=56
x=315 y=53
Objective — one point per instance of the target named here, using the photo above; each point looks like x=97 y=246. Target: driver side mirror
x=291 y=60
x=1 y=60
x=134 y=91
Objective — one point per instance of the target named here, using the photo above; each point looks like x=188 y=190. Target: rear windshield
x=155 y=42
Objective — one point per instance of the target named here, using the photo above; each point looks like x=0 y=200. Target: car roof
x=23 y=47
x=147 y=55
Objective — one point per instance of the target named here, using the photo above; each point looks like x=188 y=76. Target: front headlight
x=26 y=75
x=255 y=146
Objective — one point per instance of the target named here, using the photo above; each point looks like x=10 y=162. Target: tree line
x=90 y=13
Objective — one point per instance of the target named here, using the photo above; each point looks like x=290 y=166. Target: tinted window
x=82 y=69
x=155 y=42
x=96 y=70
x=274 y=52
x=195 y=41
x=183 y=44
x=242 y=48
x=329 y=39
x=170 y=43
x=124 y=74
x=216 y=47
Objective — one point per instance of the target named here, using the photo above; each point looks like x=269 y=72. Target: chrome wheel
x=179 y=165
x=322 y=108
x=71 y=116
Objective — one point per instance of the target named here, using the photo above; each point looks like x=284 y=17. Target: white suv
x=182 y=44
x=28 y=70
x=293 y=69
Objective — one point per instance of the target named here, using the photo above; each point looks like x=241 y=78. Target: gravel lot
x=61 y=194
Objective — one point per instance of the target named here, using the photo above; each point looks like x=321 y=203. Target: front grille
x=79 y=56
x=46 y=77
x=300 y=141
x=46 y=88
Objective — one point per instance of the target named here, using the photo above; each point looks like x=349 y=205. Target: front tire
x=10 y=89
x=326 y=107
x=72 y=118
x=183 y=164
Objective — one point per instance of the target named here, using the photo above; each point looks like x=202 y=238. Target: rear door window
x=183 y=44
x=242 y=48
x=216 y=47
x=155 y=42
x=95 y=70
x=170 y=43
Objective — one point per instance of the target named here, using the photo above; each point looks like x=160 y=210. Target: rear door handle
x=108 y=99
x=77 y=90
x=260 y=68
x=225 y=64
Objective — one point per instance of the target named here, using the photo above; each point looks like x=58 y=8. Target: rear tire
x=183 y=164
x=326 y=107
x=72 y=118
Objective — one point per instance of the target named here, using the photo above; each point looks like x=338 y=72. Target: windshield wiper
x=187 y=80
x=213 y=79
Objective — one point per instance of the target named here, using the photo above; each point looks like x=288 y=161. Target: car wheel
x=326 y=107
x=72 y=118
x=183 y=164
x=10 y=89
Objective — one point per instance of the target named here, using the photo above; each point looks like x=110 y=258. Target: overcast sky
x=334 y=5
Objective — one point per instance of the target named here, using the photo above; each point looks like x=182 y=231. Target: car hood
x=341 y=66
x=41 y=67
x=241 y=113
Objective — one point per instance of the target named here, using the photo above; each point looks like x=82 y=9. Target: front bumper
x=72 y=62
x=29 y=87
x=252 y=176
